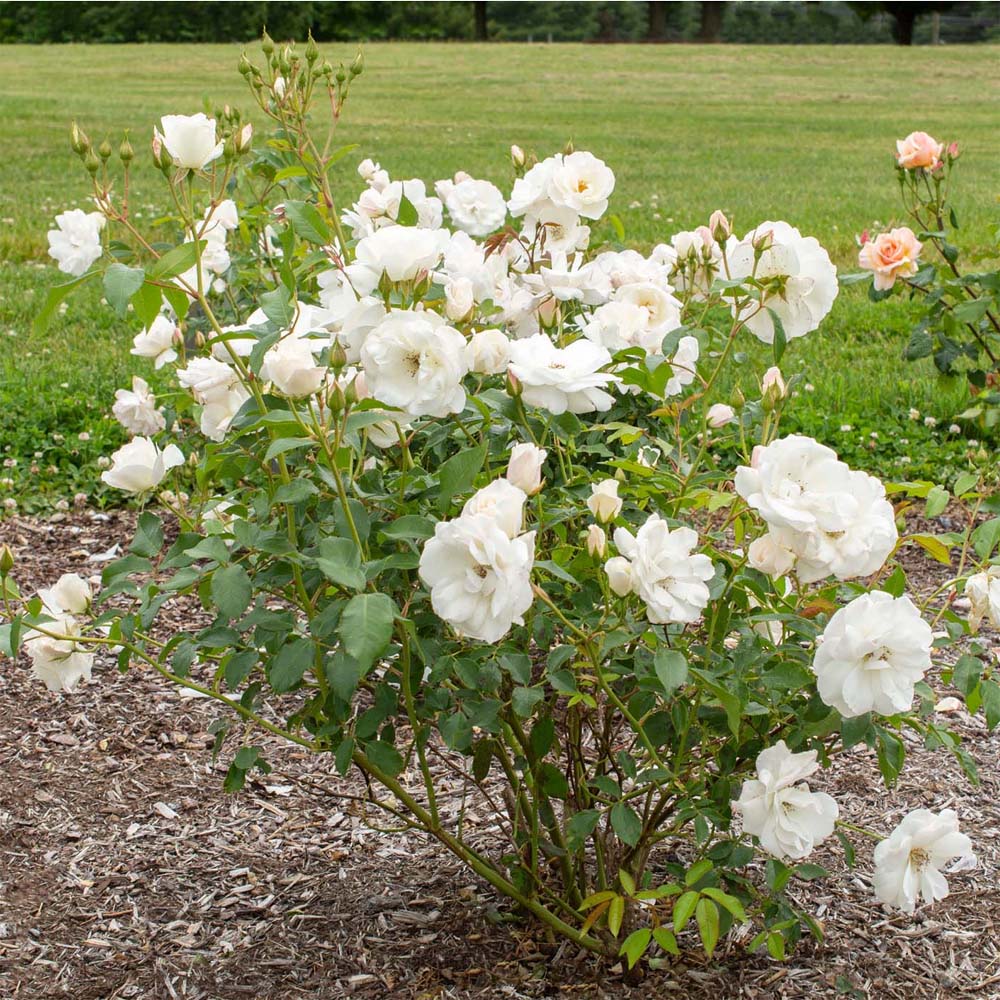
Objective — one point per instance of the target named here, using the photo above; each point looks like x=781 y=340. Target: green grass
x=803 y=134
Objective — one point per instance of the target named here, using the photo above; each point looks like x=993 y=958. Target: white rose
x=401 y=252
x=604 y=502
x=488 y=352
x=139 y=465
x=719 y=414
x=556 y=228
x=619 y=571
x=479 y=578
x=800 y=282
x=908 y=863
x=190 y=140
x=582 y=182
x=157 y=342
x=616 y=326
x=207 y=377
x=663 y=310
x=76 y=242
x=562 y=379
x=291 y=366
x=665 y=574
x=871 y=655
x=414 y=361
x=459 y=300
x=70 y=594
x=135 y=409
x=524 y=469
x=779 y=809
x=501 y=500
x=766 y=556
x=476 y=207
x=218 y=410
x=983 y=592
x=59 y=663
x=531 y=192
x=836 y=521
x=683 y=364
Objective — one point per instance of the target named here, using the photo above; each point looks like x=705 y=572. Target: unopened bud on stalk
x=569 y=148
x=105 y=150
x=244 y=137
x=229 y=150
x=199 y=340
x=312 y=50
x=358 y=65
x=517 y=157
x=125 y=151
x=720 y=227
x=78 y=140
x=245 y=66
x=514 y=387
x=341 y=74
x=351 y=393
x=338 y=356
x=337 y=399
x=597 y=541
x=266 y=43
x=327 y=69
x=737 y=399
x=92 y=163
x=6 y=560
x=774 y=389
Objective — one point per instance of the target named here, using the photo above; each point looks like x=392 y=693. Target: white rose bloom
x=465 y=259
x=378 y=207
x=190 y=140
x=135 y=409
x=291 y=366
x=76 y=242
x=570 y=279
x=836 y=520
x=501 y=500
x=582 y=182
x=530 y=195
x=629 y=267
x=557 y=229
x=157 y=342
x=414 y=361
x=221 y=219
x=620 y=577
x=524 y=469
x=766 y=556
x=236 y=340
x=207 y=377
x=908 y=864
x=488 y=352
x=779 y=809
x=663 y=310
x=684 y=363
x=459 y=299
x=139 y=465
x=218 y=410
x=562 y=379
x=983 y=592
x=59 y=663
x=604 y=502
x=800 y=281
x=616 y=326
x=476 y=207
x=871 y=655
x=665 y=574
x=401 y=252
x=720 y=414
x=70 y=594
x=479 y=578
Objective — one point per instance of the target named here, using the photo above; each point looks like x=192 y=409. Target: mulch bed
x=126 y=872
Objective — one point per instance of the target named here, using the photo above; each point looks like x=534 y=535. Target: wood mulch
x=126 y=872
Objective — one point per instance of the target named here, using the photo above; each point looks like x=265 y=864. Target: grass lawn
x=802 y=134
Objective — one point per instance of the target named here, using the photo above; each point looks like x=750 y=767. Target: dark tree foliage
x=761 y=22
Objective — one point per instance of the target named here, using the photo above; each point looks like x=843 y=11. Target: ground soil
x=126 y=872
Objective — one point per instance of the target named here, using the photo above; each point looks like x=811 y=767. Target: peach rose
x=891 y=255
x=918 y=149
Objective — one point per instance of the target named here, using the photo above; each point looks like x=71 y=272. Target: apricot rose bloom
x=918 y=149
x=891 y=255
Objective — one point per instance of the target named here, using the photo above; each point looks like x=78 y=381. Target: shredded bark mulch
x=126 y=871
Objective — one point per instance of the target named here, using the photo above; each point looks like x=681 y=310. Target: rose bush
x=453 y=503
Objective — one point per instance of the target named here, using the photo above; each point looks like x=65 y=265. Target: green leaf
x=707 y=915
x=146 y=302
x=278 y=307
x=580 y=826
x=148 y=538
x=407 y=214
x=697 y=872
x=340 y=561
x=231 y=590
x=666 y=940
x=991 y=703
x=921 y=345
x=616 y=913
x=671 y=668
x=985 y=537
x=291 y=664
x=966 y=482
x=307 y=222
x=966 y=673
x=635 y=945
x=626 y=823
x=727 y=902
x=684 y=909
x=120 y=284
x=524 y=700
x=729 y=702
x=409 y=526
x=458 y=473
x=809 y=872
x=176 y=261
x=294 y=492
x=281 y=445
x=57 y=293
x=385 y=757
x=937 y=500
x=366 y=626
x=238 y=667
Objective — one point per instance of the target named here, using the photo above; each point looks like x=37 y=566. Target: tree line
x=556 y=21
